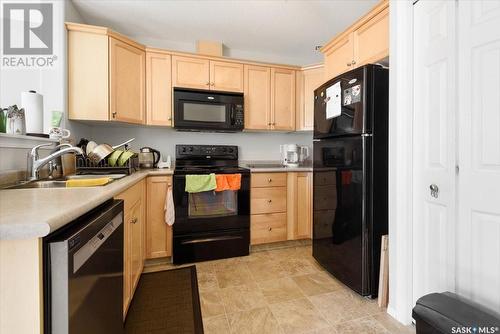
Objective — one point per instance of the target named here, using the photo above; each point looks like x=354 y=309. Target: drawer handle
x=269 y=180
x=134 y=221
x=270 y=229
x=269 y=200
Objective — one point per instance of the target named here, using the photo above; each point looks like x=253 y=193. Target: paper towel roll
x=32 y=102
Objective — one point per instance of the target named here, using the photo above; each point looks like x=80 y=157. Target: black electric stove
x=210 y=225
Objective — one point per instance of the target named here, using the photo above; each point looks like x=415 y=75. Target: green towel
x=200 y=183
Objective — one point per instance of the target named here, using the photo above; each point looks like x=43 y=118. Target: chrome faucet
x=35 y=163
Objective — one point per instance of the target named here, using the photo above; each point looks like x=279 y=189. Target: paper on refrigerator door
x=333 y=101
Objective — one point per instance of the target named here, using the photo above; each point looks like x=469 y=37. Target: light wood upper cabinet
x=126 y=82
x=226 y=76
x=282 y=99
x=106 y=76
x=257 y=91
x=339 y=58
x=190 y=72
x=158 y=233
x=371 y=40
x=307 y=81
x=366 y=41
x=299 y=208
x=158 y=89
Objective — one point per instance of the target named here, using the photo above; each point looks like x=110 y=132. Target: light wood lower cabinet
x=299 y=213
x=158 y=233
x=280 y=207
x=134 y=231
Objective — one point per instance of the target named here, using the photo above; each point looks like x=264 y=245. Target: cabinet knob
x=134 y=221
x=113 y=114
x=269 y=180
x=208 y=83
x=269 y=201
x=170 y=118
x=212 y=84
x=270 y=229
x=353 y=62
x=349 y=64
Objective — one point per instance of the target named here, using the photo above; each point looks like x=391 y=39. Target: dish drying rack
x=86 y=166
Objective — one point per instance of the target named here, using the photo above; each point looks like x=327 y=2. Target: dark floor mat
x=166 y=302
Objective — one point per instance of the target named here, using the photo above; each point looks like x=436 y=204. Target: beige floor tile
x=266 y=270
x=298 y=316
x=211 y=303
x=226 y=263
x=327 y=330
x=339 y=306
x=298 y=266
x=283 y=253
x=216 y=325
x=280 y=290
x=242 y=298
x=259 y=256
x=392 y=325
x=207 y=280
x=255 y=321
x=317 y=283
x=305 y=251
x=234 y=275
x=363 y=325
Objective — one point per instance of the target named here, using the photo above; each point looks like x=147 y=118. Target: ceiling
x=270 y=30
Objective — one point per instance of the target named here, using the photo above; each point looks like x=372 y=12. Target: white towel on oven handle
x=169 y=206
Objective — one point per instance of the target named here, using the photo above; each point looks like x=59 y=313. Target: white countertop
x=279 y=169
x=34 y=213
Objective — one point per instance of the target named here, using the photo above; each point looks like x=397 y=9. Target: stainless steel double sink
x=61 y=182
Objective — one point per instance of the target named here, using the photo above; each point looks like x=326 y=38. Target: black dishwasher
x=83 y=274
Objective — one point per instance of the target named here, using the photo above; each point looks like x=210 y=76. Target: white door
x=478 y=237
x=434 y=147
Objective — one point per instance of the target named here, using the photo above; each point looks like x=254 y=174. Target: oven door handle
x=197 y=241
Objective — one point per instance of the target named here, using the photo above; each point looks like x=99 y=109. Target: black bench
x=449 y=313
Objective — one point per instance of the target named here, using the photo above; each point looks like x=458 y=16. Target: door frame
x=401 y=160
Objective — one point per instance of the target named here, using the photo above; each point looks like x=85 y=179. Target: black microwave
x=200 y=110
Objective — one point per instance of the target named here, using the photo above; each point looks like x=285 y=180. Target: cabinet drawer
x=268 y=228
x=131 y=195
x=268 y=180
x=268 y=200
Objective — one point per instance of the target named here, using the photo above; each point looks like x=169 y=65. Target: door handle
x=434 y=190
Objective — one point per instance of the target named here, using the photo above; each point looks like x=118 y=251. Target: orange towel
x=228 y=182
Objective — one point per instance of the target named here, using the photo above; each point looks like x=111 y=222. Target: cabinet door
x=282 y=99
x=158 y=89
x=226 y=76
x=304 y=206
x=190 y=72
x=126 y=82
x=307 y=81
x=158 y=233
x=136 y=243
x=257 y=90
x=339 y=58
x=371 y=40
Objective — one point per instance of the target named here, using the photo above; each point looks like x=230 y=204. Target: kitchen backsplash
x=253 y=145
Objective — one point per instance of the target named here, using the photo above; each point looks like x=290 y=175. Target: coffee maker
x=292 y=155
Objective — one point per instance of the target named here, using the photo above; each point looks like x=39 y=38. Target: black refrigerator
x=350 y=166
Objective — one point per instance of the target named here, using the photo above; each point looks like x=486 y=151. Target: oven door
x=211 y=211
x=205 y=110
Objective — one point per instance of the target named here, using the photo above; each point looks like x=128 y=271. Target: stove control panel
x=214 y=152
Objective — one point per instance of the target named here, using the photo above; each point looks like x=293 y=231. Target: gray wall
x=252 y=145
